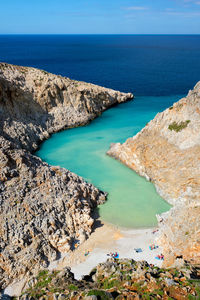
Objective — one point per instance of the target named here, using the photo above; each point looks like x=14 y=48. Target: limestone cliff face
x=167 y=152
x=43 y=209
x=34 y=103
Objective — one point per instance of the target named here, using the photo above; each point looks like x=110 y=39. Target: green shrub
x=72 y=287
x=178 y=126
x=42 y=274
x=108 y=284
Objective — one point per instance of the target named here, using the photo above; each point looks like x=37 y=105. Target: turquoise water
x=132 y=200
x=156 y=65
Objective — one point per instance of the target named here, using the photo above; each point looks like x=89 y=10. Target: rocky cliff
x=34 y=104
x=117 y=279
x=43 y=209
x=167 y=152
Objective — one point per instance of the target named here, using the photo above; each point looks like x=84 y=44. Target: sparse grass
x=175 y=273
x=72 y=287
x=118 y=283
x=152 y=295
x=43 y=285
x=108 y=284
x=139 y=288
x=99 y=293
x=128 y=277
x=178 y=126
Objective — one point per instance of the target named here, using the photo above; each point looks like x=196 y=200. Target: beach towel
x=159 y=258
x=138 y=250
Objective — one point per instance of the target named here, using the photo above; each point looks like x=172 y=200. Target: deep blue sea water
x=157 y=69
x=148 y=65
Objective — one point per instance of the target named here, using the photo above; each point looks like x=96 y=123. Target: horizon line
x=99 y=33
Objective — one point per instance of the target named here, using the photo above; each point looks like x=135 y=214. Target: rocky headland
x=167 y=152
x=43 y=209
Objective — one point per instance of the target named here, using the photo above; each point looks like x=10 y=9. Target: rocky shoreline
x=44 y=209
x=166 y=152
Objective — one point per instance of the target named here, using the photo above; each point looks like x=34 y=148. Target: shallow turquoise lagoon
x=132 y=200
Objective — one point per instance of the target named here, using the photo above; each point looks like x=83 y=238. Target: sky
x=100 y=17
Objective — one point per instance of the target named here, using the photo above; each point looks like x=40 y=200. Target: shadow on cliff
x=18 y=106
x=4 y=296
x=97 y=222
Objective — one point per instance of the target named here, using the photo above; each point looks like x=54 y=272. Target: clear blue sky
x=100 y=16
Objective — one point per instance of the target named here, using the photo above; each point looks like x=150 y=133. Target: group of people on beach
x=113 y=254
x=153 y=247
x=137 y=250
x=160 y=256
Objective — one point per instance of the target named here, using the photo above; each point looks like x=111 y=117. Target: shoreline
x=105 y=239
x=55 y=206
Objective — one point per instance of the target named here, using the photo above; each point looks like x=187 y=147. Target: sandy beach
x=107 y=239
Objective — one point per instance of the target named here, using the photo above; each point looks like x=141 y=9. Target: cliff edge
x=167 y=152
x=34 y=104
x=44 y=210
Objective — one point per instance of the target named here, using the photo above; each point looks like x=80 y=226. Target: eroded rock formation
x=35 y=103
x=117 y=279
x=167 y=152
x=43 y=209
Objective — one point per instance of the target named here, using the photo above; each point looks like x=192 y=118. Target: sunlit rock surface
x=167 y=152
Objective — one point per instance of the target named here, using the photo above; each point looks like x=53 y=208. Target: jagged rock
x=166 y=152
x=34 y=104
x=43 y=209
x=116 y=279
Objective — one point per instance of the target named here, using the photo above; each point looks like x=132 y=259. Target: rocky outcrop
x=167 y=152
x=34 y=104
x=117 y=279
x=43 y=209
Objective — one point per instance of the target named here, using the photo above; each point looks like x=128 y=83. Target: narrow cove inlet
x=132 y=201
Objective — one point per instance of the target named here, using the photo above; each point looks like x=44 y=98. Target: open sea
x=157 y=69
